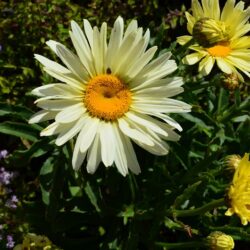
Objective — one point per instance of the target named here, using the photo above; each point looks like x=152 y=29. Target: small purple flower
x=10 y=241
x=1 y=227
x=3 y=153
x=6 y=176
x=12 y=202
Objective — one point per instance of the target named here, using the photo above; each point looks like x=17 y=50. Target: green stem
x=233 y=111
x=184 y=245
x=183 y=48
x=198 y=211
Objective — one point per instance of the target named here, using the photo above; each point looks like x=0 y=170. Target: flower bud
x=208 y=32
x=232 y=161
x=220 y=241
x=230 y=81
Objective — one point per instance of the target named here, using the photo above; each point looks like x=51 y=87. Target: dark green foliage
x=106 y=210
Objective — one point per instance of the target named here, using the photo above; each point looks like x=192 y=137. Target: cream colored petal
x=183 y=39
x=65 y=136
x=132 y=131
x=56 y=89
x=70 y=113
x=56 y=105
x=88 y=31
x=145 y=80
x=215 y=9
x=72 y=62
x=68 y=78
x=128 y=54
x=144 y=120
x=94 y=155
x=206 y=65
x=190 y=22
x=163 y=106
x=123 y=51
x=156 y=64
x=240 y=43
x=133 y=164
x=239 y=62
x=54 y=128
x=114 y=41
x=41 y=116
x=193 y=58
x=80 y=37
x=132 y=26
x=197 y=10
x=99 y=48
x=78 y=156
x=207 y=6
x=120 y=155
x=51 y=64
x=168 y=120
x=240 y=31
x=137 y=65
x=107 y=139
x=158 y=92
x=82 y=48
x=159 y=148
x=90 y=129
x=227 y=10
x=224 y=66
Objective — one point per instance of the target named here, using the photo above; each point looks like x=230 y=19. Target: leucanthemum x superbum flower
x=239 y=191
x=109 y=94
x=219 y=37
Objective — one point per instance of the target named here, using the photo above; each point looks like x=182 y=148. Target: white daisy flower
x=110 y=94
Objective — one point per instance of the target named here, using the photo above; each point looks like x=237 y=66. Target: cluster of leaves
x=106 y=210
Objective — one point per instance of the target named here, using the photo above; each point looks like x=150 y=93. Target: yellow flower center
x=107 y=97
x=220 y=50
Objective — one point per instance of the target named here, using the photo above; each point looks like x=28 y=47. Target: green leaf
x=46 y=177
x=92 y=196
x=187 y=193
x=22 y=130
x=15 y=111
x=37 y=149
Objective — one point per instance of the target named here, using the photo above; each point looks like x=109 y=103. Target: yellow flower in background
x=239 y=191
x=219 y=37
x=111 y=93
x=220 y=241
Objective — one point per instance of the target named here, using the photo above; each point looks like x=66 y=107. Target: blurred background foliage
x=106 y=210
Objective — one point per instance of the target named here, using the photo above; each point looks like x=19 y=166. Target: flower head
x=239 y=191
x=220 y=241
x=218 y=38
x=111 y=93
x=6 y=176
x=10 y=242
x=12 y=202
x=3 y=153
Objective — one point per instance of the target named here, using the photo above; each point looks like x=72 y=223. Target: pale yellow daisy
x=111 y=93
x=239 y=191
x=220 y=36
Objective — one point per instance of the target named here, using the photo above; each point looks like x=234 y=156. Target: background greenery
x=106 y=210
